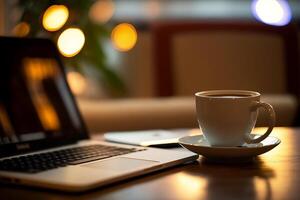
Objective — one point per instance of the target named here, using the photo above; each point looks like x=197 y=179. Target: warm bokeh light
x=101 y=11
x=124 y=37
x=153 y=9
x=22 y=29
x=70 y=42
x=55 y=17
x=272 y=12
x=77 y=82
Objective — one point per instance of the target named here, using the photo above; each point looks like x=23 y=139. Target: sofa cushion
x=164 y=113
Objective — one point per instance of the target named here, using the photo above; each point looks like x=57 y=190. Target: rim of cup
x=211 y=93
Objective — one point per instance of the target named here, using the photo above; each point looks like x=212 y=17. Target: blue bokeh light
x=272 y=12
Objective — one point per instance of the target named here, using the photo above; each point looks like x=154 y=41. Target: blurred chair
x=192 y=56
x=196 y=56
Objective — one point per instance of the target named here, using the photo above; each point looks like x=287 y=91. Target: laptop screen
x=36 y=105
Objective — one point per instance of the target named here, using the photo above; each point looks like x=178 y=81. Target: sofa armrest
x=136 y=114
x=165 y=113
x=286 y=109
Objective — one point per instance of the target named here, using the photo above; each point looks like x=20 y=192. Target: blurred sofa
x=233 y=60
x=167 y=113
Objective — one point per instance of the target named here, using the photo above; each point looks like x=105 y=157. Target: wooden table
x=274 y=175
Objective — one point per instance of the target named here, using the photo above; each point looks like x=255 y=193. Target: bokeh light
x=77 y=82
x=272 y=12
x=153 y=9
x=101 y=11
x=21 y=30
x=124 y=37
x=189 y=186
x=70 y=42
x=55 y=17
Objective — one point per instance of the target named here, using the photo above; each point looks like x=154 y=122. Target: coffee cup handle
x=272 y=119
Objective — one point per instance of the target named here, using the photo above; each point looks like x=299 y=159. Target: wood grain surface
x=274 y=175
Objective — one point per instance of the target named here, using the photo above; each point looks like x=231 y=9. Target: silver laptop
x=43 y=140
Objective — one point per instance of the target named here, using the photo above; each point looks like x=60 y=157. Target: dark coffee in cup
x=229 y=96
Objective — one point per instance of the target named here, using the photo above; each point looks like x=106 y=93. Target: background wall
x=136 y=66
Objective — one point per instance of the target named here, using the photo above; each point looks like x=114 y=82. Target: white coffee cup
x=227 y=117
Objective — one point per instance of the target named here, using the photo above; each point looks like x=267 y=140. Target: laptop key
x=76 y=162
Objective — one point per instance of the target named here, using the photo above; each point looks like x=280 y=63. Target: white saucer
x=199 y=145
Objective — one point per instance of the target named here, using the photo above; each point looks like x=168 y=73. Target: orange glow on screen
x=5 y=122
x=36 y=71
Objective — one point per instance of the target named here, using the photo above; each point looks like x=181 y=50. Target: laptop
x=43 y=139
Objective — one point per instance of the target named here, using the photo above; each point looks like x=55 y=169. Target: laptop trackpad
x=122 y=164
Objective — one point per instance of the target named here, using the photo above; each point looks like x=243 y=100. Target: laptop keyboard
x=60 y=158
